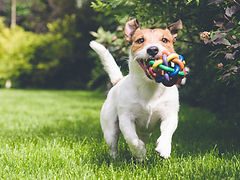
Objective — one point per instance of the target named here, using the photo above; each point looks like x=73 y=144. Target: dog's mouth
x=168 y=70
x=145 y=65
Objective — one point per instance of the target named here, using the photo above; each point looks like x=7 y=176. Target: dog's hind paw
x=114 y=154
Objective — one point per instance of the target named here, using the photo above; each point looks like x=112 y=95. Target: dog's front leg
x=168 y=126
x=128 y=129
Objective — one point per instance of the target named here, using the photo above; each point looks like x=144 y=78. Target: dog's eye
x=165 y=40
x=140 y=40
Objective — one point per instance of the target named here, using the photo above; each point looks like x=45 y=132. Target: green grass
x=57 y=135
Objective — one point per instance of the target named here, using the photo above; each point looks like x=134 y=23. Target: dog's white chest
x=146 y=115
x=144 y=103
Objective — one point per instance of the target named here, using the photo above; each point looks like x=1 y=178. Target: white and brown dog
x=135 y=103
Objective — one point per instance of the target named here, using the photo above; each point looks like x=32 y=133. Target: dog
x=135 y=104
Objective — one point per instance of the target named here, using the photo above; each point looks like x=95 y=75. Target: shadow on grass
x=199 y=131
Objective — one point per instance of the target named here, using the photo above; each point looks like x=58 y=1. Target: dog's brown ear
x=130 y=28
x=173 y=28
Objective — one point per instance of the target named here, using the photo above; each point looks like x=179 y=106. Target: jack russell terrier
x=135 y=103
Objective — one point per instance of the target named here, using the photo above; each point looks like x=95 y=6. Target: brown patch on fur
x=117 y=81
x=152 y=36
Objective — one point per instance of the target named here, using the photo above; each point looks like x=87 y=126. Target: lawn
x=49 y=134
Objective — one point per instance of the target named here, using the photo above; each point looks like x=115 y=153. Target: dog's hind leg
x=110 y=126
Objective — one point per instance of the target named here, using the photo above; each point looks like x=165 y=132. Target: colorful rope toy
x=168 y=69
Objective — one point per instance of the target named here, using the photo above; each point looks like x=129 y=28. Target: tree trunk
x=13 y=13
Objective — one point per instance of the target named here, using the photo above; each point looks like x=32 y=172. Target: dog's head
x=150 y=43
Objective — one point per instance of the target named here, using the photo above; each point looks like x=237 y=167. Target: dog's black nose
x=153 y=50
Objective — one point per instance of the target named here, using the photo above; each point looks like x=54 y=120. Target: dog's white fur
x=135 y=105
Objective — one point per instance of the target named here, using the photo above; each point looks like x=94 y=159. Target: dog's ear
x=130 y=28
x=173 y=28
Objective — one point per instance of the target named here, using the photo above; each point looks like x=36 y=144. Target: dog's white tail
x=108 y=62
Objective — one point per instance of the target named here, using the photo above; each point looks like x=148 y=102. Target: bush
x=33 y=60
x=224 y=41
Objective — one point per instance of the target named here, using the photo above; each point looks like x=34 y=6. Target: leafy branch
x=225 y=39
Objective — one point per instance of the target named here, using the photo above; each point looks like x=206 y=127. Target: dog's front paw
x=163 y=147
x=138 y=150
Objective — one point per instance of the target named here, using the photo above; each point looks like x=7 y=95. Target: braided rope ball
x=168 y=69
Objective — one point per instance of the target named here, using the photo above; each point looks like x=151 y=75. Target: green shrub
x=32 y=60
x=18 y=52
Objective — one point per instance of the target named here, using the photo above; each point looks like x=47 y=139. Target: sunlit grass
x=57 y=135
